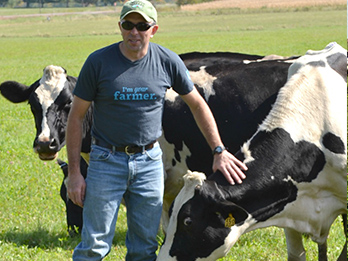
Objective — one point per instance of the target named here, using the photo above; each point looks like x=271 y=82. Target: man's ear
x=154 y=30
x=232 y=213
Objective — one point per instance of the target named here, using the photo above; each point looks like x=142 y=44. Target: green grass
x=32 y=215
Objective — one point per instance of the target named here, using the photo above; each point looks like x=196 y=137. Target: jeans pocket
x=99 y=154
x=154 y=154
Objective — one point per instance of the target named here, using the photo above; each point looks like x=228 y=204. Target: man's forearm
x=73 y=144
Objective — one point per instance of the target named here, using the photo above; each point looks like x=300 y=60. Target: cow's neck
x=272 y=173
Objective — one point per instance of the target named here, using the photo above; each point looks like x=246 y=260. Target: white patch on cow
x=51 y=85
x=202 y=79
x=171 y=95
x=191 y=180
x=271 y=57
x=317 y=205
x=315 y=56
x=288 y=178
x=247 y=153
x=307 y=107
x=173 y=175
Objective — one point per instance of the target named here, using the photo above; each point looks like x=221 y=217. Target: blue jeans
x=112 y=176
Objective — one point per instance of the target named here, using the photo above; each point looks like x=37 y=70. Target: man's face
x=137 y=41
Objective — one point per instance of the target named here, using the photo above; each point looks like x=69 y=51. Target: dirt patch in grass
x=260 y=3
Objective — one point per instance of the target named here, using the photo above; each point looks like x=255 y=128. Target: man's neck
x=132 y=56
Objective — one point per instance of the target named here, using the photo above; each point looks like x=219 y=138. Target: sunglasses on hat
x=126 y=25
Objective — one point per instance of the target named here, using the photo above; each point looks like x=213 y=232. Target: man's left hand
x=230 y=166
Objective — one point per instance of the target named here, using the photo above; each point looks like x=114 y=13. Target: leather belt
x=129 y=150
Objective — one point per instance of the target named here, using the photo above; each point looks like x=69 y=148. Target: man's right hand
x=76 y=187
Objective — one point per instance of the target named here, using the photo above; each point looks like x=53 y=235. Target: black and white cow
x=297 y=171
x=50 y=99
x=239 y=88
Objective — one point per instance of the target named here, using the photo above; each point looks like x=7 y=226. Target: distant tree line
x=189 y=2
x=68 y=3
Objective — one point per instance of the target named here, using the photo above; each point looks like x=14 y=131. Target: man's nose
x=134 y=30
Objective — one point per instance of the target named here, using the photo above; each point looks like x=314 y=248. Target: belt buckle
x=127 y=152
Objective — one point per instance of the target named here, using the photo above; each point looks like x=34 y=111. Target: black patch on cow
x=338 y=62
x=333 y=143
x=177 y=155
x=317 y=64
x=277 y=158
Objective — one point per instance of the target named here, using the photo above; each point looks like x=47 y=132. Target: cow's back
x=242 y=97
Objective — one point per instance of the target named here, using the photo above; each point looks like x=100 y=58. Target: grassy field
x=32 y=215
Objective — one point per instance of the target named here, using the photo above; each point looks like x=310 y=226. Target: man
x=127 y=82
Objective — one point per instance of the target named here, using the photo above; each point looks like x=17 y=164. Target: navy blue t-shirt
x=129 y=96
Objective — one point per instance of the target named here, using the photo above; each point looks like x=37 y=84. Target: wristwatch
x=218 y=150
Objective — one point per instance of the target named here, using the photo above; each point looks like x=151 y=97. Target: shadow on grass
x=45 y=239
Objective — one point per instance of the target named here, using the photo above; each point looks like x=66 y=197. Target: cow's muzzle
x=46 y=148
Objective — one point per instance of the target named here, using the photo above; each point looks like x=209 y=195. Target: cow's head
x=203 y=224
x=50 y=100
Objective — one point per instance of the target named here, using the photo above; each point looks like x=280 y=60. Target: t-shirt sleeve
x=86 y=86
x=182 y=82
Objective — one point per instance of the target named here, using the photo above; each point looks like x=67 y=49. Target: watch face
x=218 y=150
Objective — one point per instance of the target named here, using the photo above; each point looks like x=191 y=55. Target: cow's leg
x=73 y=212
x=74 y=218
x=296 y=251
x=322 y=251
x=343 y=255
x=63 y=192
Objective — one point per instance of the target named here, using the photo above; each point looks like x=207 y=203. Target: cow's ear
x=233 y=214
x=16 y=92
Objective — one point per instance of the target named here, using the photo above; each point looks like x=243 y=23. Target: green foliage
x=12 y=3
x=33 y=225
x=189 y=2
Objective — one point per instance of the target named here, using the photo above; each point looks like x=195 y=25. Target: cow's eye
x=187 y=221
